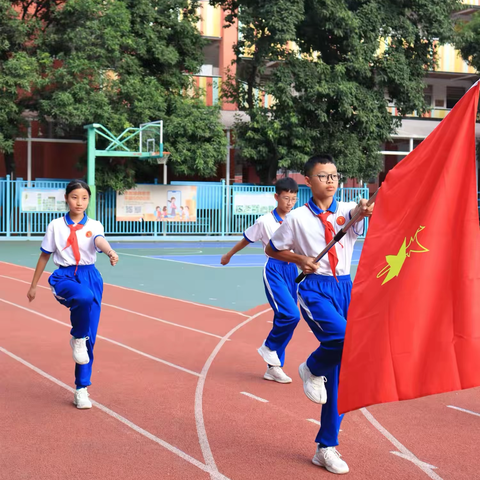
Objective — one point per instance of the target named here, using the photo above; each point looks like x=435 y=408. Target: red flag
x=413 y=325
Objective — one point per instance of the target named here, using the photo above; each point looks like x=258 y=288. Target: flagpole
x=338 y=236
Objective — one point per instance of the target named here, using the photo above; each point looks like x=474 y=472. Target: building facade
x=443 y=88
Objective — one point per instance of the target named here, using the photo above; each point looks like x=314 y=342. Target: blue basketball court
x=199 y=254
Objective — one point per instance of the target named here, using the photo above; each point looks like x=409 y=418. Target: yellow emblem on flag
x=395 y=262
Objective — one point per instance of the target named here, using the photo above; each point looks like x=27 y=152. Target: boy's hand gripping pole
x=338 y=236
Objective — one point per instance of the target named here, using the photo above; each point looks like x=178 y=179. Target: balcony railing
x=433 y=113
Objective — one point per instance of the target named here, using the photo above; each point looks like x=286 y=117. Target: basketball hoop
x=163 y=159
x=150 y=148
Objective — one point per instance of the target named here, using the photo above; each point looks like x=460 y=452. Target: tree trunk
x=272 y=170
x=269 y=176
x=250 y=87
x=9 y=164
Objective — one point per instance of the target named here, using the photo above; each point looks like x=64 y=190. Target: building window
x=211 y=53
x=428 y=95
x=454 y=94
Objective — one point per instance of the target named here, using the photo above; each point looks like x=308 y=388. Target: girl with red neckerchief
x=74 y=241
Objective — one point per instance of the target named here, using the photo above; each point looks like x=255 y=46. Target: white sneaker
x=79 y=347
x=314 y=387
x=277 y=375
x=80 y=399
x=330 y=459
x=269 y=356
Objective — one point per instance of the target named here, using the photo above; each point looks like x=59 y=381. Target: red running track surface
x=170 y=401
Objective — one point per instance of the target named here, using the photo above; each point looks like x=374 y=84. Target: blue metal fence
x=15 y=222
x=215 y=214
x=237 y=224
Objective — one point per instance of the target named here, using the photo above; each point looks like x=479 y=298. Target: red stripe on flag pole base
x=413 y=325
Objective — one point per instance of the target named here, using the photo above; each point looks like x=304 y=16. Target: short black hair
x=322 y=158
x=286 y=184
x=75 y=185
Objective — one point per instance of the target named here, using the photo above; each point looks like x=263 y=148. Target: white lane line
x=159 y=257
x=151 y=294
x=123 y=420
x=464 y=410
x=236 y=255
x=166 y=260
x=403 y=451
x=184 y=251
x=254 y=397
x=245 y=265
x=210 y=307
x=143 y=354
x=199 y=420
x=417 y=462
x=269 y=321
x=132 y=312
x=23 y=281
x=163 y=321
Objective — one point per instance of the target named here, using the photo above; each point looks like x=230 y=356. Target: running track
x=179 y=394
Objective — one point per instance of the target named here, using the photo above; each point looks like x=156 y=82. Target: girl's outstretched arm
x=41 y=264
x=102 y=244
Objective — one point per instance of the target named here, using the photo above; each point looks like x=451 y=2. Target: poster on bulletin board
x=253 y=203
x=43 y=200
x=161 y=203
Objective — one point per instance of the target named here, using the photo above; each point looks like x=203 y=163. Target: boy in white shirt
x=279 y=280
x=324 y=295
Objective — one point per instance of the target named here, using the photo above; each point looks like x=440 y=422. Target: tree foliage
x=18 y=71
x=332 y=68
x=468 y=38
x=121 y=63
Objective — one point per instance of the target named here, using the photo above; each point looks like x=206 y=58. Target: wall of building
x=49 y=159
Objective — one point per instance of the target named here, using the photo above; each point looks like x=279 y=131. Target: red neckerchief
x=72 y=241
x=329 y=234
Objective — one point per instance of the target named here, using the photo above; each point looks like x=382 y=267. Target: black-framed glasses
x=324 y=177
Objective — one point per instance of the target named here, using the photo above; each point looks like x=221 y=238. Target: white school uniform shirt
x=263 y=228
x=56 y=237
x=303 y=233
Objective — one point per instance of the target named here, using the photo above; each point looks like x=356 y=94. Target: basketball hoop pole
x=162 y=160
x=118 y=147
x=91 y=210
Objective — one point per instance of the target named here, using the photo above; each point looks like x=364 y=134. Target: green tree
x=467 y=39
x=121 y=63
x=18 y=71
x=332 y=67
